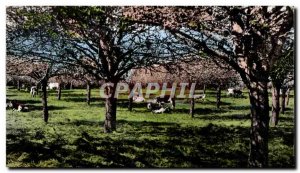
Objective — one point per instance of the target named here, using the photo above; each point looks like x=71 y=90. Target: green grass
x=74 y=135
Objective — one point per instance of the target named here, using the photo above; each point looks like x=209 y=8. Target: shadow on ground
x=139 y=144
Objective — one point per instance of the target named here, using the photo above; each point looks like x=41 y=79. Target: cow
x=234 y=92
x=159 y=102
x=17 y=106
x=166 y=99
x=138 y=99
x=153 y=105
x=13 y=105
x=8 y=103
x=33 y=91
x=162 y=110
x=53 y=86
x=230 y=91
x=22 y=108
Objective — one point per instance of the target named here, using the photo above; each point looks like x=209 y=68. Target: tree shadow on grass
x=169 y=150
x=10 y=95
x=68 y=91
x=286 y=133
x=32 y=153
x=64 y=95
x=224 y=117
x=82 y=99
x=50 y=107
x=100 y=102
x=125 y=103
x=141 y=144
x=201 y=111
x=120 y=102
x=28 y=151
x=239 y=107
x=26 y=102
x=289 y=109
x=286 y=119
x=79 y=123
x=208 y=102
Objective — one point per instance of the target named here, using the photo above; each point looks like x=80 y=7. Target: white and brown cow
x=158 y=102
x=17 y=106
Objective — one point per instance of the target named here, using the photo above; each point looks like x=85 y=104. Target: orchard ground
x=74 y=134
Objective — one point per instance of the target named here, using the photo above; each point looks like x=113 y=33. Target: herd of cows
x=157 y=105
x=166 y=103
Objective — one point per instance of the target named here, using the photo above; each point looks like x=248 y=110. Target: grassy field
x=74 y=135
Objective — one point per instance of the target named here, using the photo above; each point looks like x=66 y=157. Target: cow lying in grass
x=234 y=92
x=158 y=105
x=14 y=105
x=152 y=105
x=162 y=110
x=138 y=99
x=158 y=108
x=166 y=99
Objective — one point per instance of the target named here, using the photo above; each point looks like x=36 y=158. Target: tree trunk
x=110 y=110
x=59 y=92
x=259 y=132
x=130 y=103
x=192 y=108
x=88 y=93
x=19 y=85
x=44 y=101
x=173 y=103
x=287 y=97
x=283 y=97
x=37 y=89
x=275 y=104
x=130 y=99
x=71 y=86
x=218 y=96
